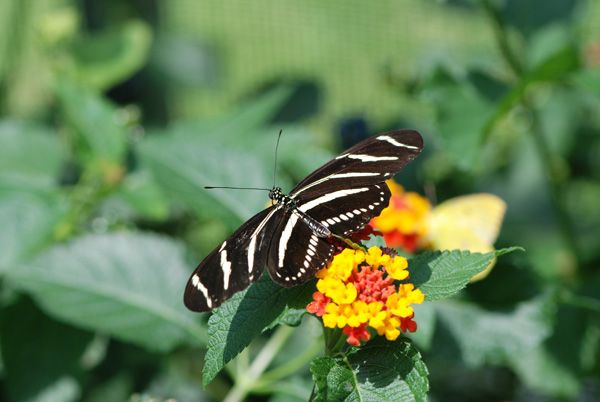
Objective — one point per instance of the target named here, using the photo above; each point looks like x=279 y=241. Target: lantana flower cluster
x=357 y=290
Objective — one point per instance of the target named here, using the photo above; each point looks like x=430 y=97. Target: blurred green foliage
x=115 y=114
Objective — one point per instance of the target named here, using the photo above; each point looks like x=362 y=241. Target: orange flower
x=405 y=221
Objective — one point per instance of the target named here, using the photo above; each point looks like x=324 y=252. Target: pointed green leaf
x=245 y=316
x=128 y=285
x=440 y=274
x=379 y=371
x=243 y=126
x=229 y=152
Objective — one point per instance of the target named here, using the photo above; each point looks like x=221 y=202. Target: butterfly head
x=276 y=194
x=278 y=197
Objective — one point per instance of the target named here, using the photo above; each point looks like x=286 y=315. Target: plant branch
x=501 y=35
x=555 y=179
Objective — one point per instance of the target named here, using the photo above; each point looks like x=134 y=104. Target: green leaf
x=239 y=128
x=27 y=223
x=379 y=371
x=41 y=357
x=179 y=168
x=462 y=114
x=245 y=316
x=588 y=80
x=479 y=336
x=140 y=192
x=528 y=17
x=108 y=58
x=425 y=317
x=128 y=285
x=440 y=274
x=31 y=157
x=91 y=117
x=560 y=63
x=557 y=366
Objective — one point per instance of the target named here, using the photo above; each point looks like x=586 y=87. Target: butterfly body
x=291 y=236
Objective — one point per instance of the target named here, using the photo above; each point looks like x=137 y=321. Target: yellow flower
x=358 y=314
x=339 y=292
x=390 y=328
x=377 y=316
x=334 y=315
x=399 y=305
x=397 y=269
x=341 y=315
x=375 y=258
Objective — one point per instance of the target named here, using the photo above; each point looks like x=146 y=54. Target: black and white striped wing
x=369 y=162
x=296 y=252
x=351 y=211
x=235 y=264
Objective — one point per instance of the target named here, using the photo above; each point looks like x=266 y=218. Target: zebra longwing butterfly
x=291 y=236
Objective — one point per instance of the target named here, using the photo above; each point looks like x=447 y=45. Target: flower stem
x=334 y=340
x=246 y=381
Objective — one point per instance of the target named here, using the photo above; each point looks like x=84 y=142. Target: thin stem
x=293 y=365
x=587 y=303
x=501 y=35
x=246 y=382
x=555 y=185
x=334 y=340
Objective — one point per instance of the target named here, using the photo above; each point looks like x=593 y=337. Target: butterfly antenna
x=238 y=188
x=276 y=148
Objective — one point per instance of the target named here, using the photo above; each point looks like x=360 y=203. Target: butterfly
x=291 y=237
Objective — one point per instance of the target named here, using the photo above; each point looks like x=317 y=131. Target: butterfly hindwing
x=235 y=264
x=296 y=252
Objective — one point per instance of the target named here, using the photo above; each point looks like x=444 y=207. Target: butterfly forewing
x=369 y=162
x=351 y=210
x=235 y=264
x=290 y=238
